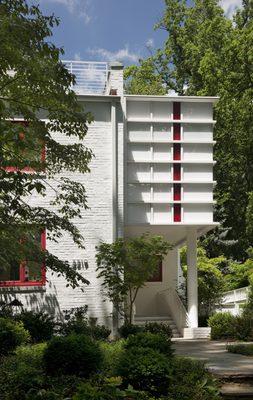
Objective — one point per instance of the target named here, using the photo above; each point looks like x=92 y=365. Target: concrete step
x=142 y=320
x=237 y=390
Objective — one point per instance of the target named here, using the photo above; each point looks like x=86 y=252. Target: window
x=26 y=157
x=158 y=275
x=25 y=273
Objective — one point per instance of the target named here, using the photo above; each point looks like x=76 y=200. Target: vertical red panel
x=176 y=132
x=177 y=192
x=176 y=151
x=177 y=213
x=177 y=172
x=176 y=110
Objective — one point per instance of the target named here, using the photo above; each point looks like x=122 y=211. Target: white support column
x=192 y=277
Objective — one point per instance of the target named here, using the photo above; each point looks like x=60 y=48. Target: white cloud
x=150 y=43
x=119 y=55
x=230 y=6
x=79 y=8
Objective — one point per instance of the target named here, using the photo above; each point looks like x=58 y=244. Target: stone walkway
x=217 y=359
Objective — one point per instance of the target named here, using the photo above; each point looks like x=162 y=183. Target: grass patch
x=245 y=349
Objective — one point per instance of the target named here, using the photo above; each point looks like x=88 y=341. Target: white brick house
x=152 y=172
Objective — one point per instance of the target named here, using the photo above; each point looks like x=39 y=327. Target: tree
x=126 y=265
x=205 y=53
x=143 y=79
x=35 y=87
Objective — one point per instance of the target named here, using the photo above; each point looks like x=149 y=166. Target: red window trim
x=21 y=281
x=176 y=110
x=158 y=275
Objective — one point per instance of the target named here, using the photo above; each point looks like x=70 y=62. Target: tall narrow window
x=177 y=192
x=176 y=110
x=176 y=151
x=176 y=132
x=177 y=172
x=177 y=212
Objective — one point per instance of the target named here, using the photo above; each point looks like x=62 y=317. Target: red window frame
x=158 y=275
x=26 y=169
x=22 y=271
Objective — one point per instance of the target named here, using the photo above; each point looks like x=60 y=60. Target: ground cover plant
x=241 y=348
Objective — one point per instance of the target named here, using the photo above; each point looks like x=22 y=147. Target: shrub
x=12 y=334
x=129 y=329
x=76 y=321
x=153 y=341
x=155 y=327
x=111 y=355
x=72 y=355
x=190 y=380
x=22 y=372
x=108 y=390
x=39 y=324
x=222 y=326
x=242 y=327
x=241 y=348
x=144 y=369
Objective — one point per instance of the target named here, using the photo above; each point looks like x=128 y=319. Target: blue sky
x=107 y=30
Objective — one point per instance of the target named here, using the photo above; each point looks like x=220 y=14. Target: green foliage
x=108 y=390
x=160 y=328
x=22 y=372
x=126 y=265
x=12 y=334
x=190 y=380
x=211 y=283
x=76 y=321
x=129 y=329
x=144 y=369
x=241 y=348
x=149 y=340
x=144 y=79
x=111 y=354
x=72 y=355
x=38 y=90
x=40 y=325
x=222 y=325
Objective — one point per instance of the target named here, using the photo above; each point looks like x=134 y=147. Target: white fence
x=233 y=300
x=91 y=77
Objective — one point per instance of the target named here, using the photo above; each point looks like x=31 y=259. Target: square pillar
x=192 y=277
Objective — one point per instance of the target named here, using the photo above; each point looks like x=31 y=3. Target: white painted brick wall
x=95 y=226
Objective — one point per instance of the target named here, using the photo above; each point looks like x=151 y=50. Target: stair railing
x=175 y=307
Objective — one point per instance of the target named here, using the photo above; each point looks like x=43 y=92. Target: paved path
x=217 y=359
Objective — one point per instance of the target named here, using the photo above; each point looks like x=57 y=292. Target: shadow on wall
x=36 y=299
